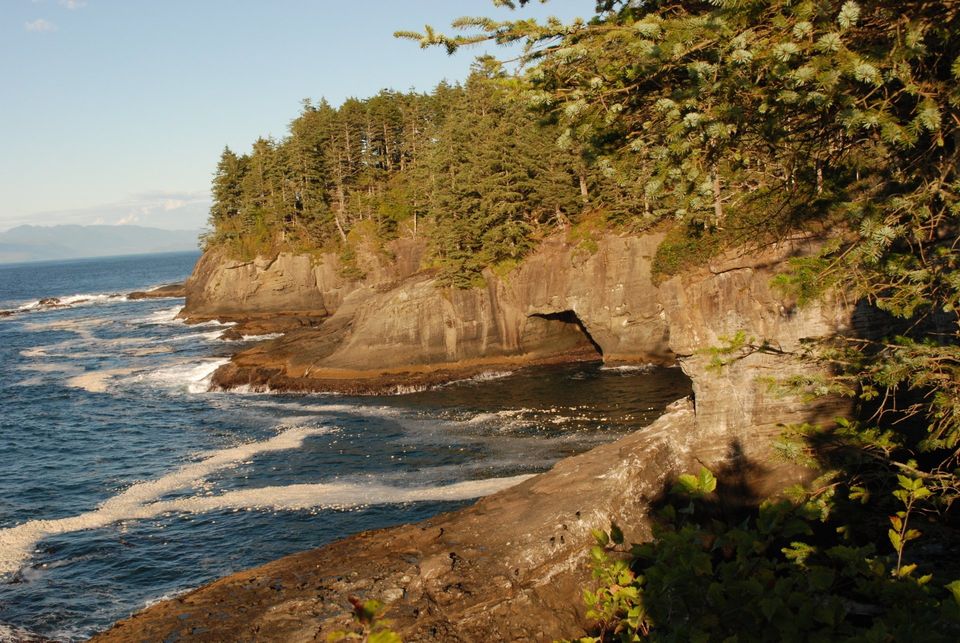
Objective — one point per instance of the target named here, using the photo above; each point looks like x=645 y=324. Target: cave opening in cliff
x=572 y=327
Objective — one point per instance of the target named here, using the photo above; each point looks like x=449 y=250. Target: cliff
x=512 y=566
x=385 y=332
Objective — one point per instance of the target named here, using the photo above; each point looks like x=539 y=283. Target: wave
x=141 y=501
x=194 y=377
x=138 y=501
x=629 y=368
x=14 y=634
x=71 y=301
x=209 y=336
x=161 y=318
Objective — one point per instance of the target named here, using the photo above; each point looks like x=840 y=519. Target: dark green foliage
x=786 y=571
x=470 y=164
x=743 y=122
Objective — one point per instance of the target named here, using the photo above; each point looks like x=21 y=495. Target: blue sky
x=115 y=111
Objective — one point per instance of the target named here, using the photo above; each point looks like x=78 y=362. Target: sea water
x=123 y=481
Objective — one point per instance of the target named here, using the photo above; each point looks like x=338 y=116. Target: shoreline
x=510 y=566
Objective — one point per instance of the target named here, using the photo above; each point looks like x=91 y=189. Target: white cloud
x=73 y=4
x=40 y=25
x=172 y=210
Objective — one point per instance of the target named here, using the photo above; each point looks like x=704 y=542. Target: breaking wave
x=193 y=377
x=142 y=500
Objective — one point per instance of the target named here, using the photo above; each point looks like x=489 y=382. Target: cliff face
x=736 y=388
x=398 y=329
x=561 y=304
x=289 y=285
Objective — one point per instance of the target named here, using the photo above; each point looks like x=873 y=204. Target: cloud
x=40 y=26
x=73 y=4
x=172 y=210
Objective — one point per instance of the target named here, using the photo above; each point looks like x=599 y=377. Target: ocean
x=124 y=482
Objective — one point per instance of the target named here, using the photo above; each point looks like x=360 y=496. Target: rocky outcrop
x=161 y=292
x=738 y=340
x=311 y=285
x=562 y=304
x=512 y=566
x=509 y=568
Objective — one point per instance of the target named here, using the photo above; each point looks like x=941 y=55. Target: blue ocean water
x=122 y=481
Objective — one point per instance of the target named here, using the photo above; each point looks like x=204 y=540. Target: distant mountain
x=37 y=243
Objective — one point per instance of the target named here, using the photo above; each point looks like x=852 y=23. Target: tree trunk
x=717 y=195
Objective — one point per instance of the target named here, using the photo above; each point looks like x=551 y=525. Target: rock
x=168 y=291
x=52 y=302
x=707 y=308
x=560 y=305
x=512 y=567
x=230 y=290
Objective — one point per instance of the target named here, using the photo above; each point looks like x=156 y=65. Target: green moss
x=685 y=247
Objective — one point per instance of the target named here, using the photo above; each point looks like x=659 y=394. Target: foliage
x=772 y=574
x=468 y=163
x=374 y=628
x=745 y=122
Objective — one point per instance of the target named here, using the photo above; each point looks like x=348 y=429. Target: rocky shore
x=511 y=567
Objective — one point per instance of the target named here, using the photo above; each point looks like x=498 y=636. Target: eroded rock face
x=707 y=309
x=561 y=304
x=289 y=284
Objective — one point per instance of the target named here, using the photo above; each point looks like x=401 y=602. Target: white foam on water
x=139 y=501
x=214 y=322
x=497 y=416
x=407 y=389
x=161 y=317
x=194 y=377
x=10 y=633
x=629 y=368
x=163 y=598
x=208 y=336
x=334 y=495
x=348 y=409
x=48 y=367
x=264 y=337
x=153 y=350
x=97 y=381
x=72 y=301
x=485 y=376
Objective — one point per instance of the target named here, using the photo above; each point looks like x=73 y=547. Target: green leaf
x=686 y=483
x=895 y=539
x=954 y=588
x=601 y=537
x=616 y=534
x=706 y=482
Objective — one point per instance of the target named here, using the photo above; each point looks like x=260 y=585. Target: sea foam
x=142 y=500
x=194 y=377
x=137 y=502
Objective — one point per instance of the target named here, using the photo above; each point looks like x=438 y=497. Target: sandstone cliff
x=511 y=567
x=563 y=303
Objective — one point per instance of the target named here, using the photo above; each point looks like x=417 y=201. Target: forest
x=467 y=166
x=726 y=123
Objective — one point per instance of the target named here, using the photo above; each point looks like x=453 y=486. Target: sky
x=116 y=111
